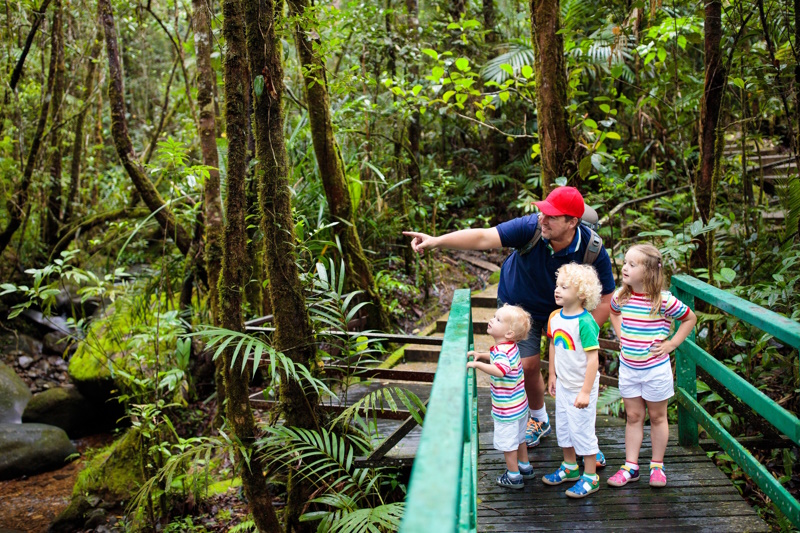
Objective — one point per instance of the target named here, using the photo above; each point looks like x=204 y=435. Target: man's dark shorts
x=530 y=347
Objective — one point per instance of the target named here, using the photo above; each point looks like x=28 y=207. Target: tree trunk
x=52 y=218
x=331 y=166
x=122 y=141
x=38 y=18
x=414 y=126
x=489 y=21
x=558 y=146
x=711 y=140
x=232 y=280
x=212 y=199
x=18 y=204
x=293 y=333
x=77 y=147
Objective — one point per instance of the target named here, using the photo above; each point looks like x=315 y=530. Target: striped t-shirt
x=641 y=330
x=509 y=401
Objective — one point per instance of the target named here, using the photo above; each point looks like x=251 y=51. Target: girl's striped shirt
x=641 y=330
x=509 y=401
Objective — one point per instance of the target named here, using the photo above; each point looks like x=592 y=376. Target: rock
x=110 y=479
x=27 y=449
x=68 y=409
x=14 y=395
x=59 y=342
x=25 y=361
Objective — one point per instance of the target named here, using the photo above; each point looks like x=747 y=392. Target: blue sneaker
x=561 y=475
x=527 y=473
x=600 y=461
x=507 y=482
x=584 y=487
x=535 y=431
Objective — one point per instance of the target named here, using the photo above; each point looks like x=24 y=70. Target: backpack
x=590 y=220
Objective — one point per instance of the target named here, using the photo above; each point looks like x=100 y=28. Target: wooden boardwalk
x=698 y=496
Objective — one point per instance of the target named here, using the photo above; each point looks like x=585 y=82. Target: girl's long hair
x=653 y=277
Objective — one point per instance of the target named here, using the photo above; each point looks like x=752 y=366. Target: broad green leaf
x=613 y=135
x=589 y=123
x=462 y=64
x=662 y=54
x=527 y=71
x=447 y=95
x=432 y=53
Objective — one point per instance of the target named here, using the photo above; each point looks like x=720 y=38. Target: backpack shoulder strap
x=537 y=236
x=593 y=250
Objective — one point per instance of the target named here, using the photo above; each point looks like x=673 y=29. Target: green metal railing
x=689 y=355
x=442 y=493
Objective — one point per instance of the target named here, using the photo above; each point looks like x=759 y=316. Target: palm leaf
x=519 y=52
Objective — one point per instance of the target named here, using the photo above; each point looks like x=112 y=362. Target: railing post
x=686 y=376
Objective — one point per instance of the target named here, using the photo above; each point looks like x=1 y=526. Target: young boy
x=574 y=379
x=509 y=402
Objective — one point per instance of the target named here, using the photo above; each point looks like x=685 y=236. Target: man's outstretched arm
x=465 y=239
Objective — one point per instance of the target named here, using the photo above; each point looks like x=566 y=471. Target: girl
x=642 y=314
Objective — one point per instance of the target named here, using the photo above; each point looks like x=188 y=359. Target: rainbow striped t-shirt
x=509 y=401
x=641 y=330
x=572 y=337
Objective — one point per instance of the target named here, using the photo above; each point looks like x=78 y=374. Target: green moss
x=494 y=278
x=128 y=327
x=221 y=487
x=114 y=473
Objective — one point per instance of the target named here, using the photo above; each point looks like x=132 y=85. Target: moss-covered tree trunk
x=212 y=198
x=77 y=146
x=711 y=139
x=122 y=140
x=52 y=219
x=558 y=146
x=18 y=203
x=231 y=284
x=293 y=333
x=330 y=164
x=489 y=21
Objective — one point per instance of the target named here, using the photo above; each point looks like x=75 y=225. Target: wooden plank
x=780 y=327
x=405 y=428
x=432 y=503
x=762 y=404
x=763 y=478
x=389 y=337
x=486 y=265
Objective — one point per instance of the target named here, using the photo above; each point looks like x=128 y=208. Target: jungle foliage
x=193 y=165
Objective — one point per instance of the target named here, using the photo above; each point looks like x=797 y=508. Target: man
x=528 y=278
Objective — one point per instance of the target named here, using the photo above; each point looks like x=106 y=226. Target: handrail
x=442 y=494
x=690 y=412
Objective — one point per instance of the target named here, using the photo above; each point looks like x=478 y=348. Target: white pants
x=575 y=427
x=652 y=384
x=509 y=435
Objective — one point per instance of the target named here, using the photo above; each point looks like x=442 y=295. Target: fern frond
x=326 y=459
x=519 y=53
x=380 y=400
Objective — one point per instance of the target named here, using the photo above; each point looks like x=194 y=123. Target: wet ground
x=30 y=504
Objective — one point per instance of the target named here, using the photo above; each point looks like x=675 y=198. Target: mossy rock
x=108 y=346
x=109 y=480
x=67 y=408
x=27 y=449
x=14 y=395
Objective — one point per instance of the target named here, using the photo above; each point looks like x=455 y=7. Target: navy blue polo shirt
x=530 y=280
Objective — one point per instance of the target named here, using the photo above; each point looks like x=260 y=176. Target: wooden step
x=480 y=319
x=421 y=353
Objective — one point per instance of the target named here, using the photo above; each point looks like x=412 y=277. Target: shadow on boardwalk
x=698 y=496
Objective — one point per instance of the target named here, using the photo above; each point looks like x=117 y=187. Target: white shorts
x=509 y=435
x=651 y=384
x=575 y=427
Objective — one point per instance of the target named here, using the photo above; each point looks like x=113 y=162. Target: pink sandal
x=623 y=476
x=657 y=477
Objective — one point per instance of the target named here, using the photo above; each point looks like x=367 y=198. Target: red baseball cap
x=562 y=201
